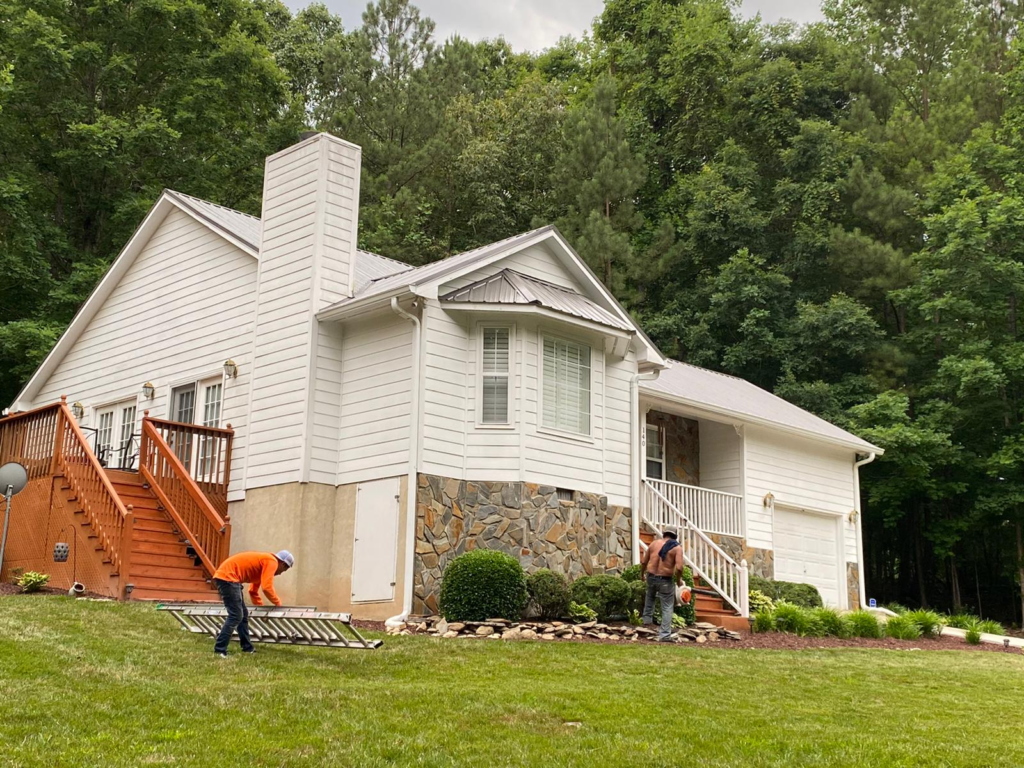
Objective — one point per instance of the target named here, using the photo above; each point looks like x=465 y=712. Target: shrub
x=632 y=574
x=483 y=584
x=764 y=621
x=635 y=618
x=32 y=581
x=607 y=595
x=962 y=621
x=637 y=596
x=929 y=622
x=897 y=608
x=581 y=613
x=795 y=620
x=864 y=624
x=902 y=628
x=989 y=627
x=831 y=622
x=803 y=595
x=550 y=592
x=973 y=636
x=759 y=601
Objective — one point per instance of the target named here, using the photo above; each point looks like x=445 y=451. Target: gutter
x=411 y=489
x=860 y=529
x=634 y=453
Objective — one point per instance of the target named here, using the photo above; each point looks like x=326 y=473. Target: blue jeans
x=238 y=617
x=663 y=588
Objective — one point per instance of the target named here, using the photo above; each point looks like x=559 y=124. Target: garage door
x=806 y=551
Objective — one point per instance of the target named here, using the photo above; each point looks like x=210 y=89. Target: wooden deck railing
x=49 y=442
x=204 y=453
x=168 y=465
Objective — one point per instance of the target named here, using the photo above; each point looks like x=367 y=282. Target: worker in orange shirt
x=257 y=569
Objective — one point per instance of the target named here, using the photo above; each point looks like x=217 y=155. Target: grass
x=101 y=684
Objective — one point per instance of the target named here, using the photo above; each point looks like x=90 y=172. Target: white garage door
x=806 y=551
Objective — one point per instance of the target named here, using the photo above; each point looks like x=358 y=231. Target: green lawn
x=101 y=684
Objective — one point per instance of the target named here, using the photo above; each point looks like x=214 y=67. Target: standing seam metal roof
x=511 y=287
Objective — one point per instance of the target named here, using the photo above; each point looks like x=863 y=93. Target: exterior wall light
x=230 y=369
x=148 y=390
x=78 y=411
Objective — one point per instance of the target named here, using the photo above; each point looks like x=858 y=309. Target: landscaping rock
x=484 y=631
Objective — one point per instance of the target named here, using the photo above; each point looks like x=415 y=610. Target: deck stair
x=164 y=567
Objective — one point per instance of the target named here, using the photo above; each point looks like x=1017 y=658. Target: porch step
x=141 y=558
x=171 y=578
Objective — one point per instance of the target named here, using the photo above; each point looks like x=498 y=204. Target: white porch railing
x=707 y=559
x=711 y=511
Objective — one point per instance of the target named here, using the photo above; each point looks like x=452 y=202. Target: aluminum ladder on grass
x=302 y=625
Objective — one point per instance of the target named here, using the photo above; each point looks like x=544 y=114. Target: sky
x=537 y=24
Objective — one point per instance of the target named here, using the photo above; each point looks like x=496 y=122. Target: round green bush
x=550 y=592
x=483 y=584
x=637 y=595
x=803 y=595
x=764 y=621
x=605 y=594
x=632 y=574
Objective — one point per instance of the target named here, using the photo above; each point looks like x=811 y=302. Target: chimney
x=307 y=262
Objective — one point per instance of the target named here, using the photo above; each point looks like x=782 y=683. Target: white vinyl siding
x=495 y=390
x=376 y=399
x=536 y=261
x=566 y=386
x=448 y=354
x=183 y=307
x=720 y=465
x=799 y=473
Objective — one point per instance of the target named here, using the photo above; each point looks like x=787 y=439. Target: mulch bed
x=783 y=642
x=7 y=588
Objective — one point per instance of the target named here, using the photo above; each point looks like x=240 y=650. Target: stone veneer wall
x=528 y=521
x=853 y=585
x=760 y=562
x=682 y=447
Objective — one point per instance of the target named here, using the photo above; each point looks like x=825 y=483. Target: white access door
x=807 y=551
x=375 y=550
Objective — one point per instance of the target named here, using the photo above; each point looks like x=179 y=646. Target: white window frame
x=200 y=382
x=542 y=334
x=510 y=422
x=661 y=444
x=117 y=426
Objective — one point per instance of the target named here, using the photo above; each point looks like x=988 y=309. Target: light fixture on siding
x=77 y=410
x=230 y=368
x=148 y=390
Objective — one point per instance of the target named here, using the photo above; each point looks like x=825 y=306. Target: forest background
x=834 y=212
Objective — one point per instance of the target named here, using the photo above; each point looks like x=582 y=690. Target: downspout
x=634 y=453
x=860 y=529
x=411 y=489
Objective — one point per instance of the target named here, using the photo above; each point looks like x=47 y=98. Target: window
x=104 y=435
x=125 y=443
x=212 y=398
x=566 y=386
x=655 y=452
x=494 y=375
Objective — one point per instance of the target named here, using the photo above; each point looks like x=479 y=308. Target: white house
x=386 y=418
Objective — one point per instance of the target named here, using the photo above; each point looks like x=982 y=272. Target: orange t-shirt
x=257 y=569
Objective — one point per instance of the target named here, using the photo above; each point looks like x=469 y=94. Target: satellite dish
x=14 y=476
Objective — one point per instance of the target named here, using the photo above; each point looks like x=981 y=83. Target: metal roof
x=370 y=267
x=511 y=287
x=733 y=396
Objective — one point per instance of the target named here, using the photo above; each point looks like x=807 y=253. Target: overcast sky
x=537 y=24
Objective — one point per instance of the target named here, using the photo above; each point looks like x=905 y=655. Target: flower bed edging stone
x=502 y=629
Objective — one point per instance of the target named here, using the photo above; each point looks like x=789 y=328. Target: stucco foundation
x=317 y=523
x=575 y=536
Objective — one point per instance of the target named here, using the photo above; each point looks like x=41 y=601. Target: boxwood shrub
x=804 y=595
x=607 y=595
x=550 y=592
x=483 y=584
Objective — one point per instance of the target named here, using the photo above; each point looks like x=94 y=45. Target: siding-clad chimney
x=307 y=262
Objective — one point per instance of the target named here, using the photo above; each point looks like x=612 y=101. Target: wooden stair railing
x=49 y=442
x=709 y=561
x=169 y=467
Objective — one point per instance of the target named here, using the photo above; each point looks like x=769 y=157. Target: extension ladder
x=301 y=625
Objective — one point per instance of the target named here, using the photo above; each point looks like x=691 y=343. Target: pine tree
x=596 y=180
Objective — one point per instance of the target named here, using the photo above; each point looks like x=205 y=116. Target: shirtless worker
x=662 y=568
x=257 y=569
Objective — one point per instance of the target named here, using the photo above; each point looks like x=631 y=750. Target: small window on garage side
x=497 y=342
